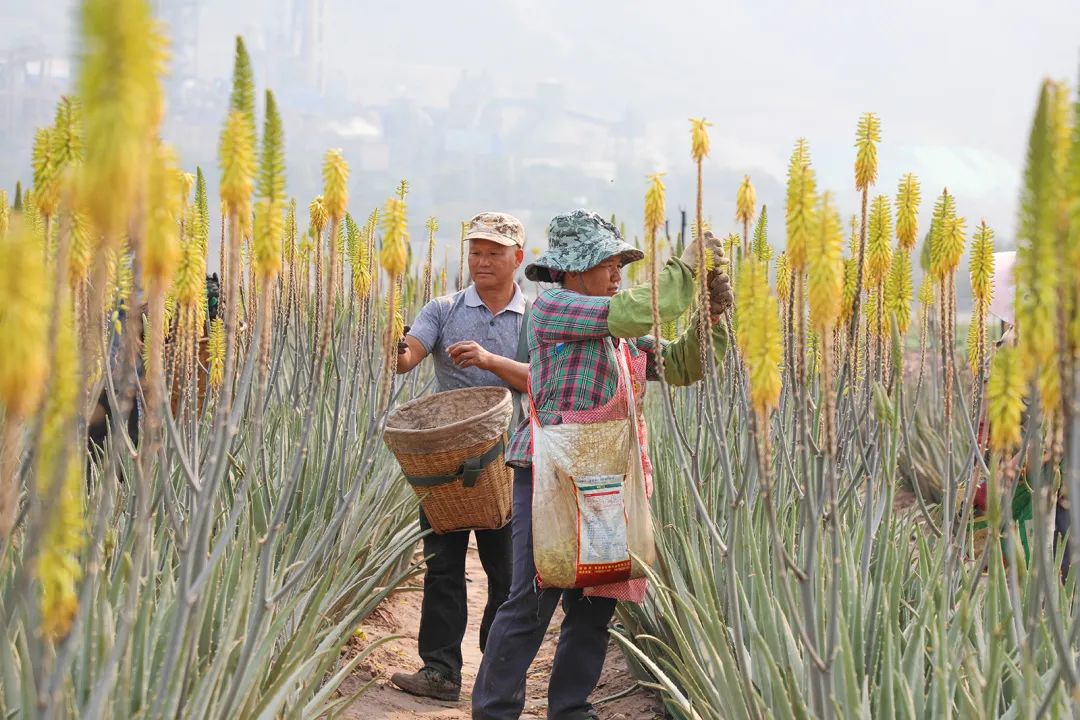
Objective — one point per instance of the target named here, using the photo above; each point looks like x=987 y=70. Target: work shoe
x=428 y=682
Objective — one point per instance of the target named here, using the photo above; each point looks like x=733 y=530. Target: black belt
x=469 y=471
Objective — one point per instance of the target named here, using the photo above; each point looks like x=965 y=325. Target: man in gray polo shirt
x=473 y=336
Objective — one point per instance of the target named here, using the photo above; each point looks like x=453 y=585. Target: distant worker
x=473 y=336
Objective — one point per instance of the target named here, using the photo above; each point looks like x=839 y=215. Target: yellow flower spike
x=655 y=211
x=899 y=290
x=123 y=56
x=24 y=297
x=745 y=201
x=1005 y=400
x=878 y=249
x=871 y=312
x=699 y=138
x=926 y=291
x=67 y=134
x=237 y=158
x=161 y=243
x=394 y=256
x=847 y=304
x=216 y=352
x=867 y=136
x=58 y=567
x=402 y=189
x=825 y=267
x=335 y=184
x=783 y=278
x=46 y=180
x=190 y=272
x=759 y=337
x=981 y=263
x=853 y=236
x=317 y=214
x=801 y=203
x=941 y=229
x=266 y=245
x=907 y=211
x=760 y=245
x=1037 y=257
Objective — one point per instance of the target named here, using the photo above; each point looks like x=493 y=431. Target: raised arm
x=566 y=316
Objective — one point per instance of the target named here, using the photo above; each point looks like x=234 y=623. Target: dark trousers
x=445 y=611
x=520 y=627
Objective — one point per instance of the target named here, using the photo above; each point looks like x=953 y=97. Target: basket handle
x=469 y=472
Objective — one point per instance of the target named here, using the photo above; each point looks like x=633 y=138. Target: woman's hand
x=467 y=354
x=720 y=296
x=691 y=255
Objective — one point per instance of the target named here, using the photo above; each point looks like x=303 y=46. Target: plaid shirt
x=570 y=367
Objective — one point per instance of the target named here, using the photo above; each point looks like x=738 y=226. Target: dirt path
x=400 y=615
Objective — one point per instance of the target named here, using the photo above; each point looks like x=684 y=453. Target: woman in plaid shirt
x=572 y=372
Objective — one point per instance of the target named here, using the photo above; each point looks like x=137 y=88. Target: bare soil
x=400 y=615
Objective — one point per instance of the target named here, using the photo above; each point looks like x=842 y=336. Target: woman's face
x=603 y=280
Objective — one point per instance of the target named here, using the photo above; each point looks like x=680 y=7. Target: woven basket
x=450 y=447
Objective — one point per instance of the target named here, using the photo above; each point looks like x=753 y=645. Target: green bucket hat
x=579 y=241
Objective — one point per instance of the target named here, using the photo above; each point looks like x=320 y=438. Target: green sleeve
x=630 y=311
x=682 y=358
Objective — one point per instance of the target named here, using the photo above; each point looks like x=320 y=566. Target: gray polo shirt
x=463 y=316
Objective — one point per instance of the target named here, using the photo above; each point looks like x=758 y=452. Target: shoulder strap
x=522 y=355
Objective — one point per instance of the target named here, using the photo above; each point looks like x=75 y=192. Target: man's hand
x=720 y=296
x=402 y=346
x=467 y=354
x=691 y=255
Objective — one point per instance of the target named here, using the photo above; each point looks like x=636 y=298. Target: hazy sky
x=954 y=81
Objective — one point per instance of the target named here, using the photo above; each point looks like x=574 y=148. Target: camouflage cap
x=579 y=241
x=497 y=227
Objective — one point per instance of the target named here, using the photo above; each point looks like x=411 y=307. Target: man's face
x=492 y=266
x=603 y=280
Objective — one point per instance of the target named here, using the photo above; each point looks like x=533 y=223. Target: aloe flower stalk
x=317 y=218
x=745 y=204
x=1037 y=276
x=60 y=485
x=336 y=200
x=655 y=213
x=24 y=366
x=699 y=150
x=878 y=260
x=432 y=227
x=761 y=248
x=981 y=271
x=867 y=135
x=825 y=282
x=899 y=291
x=1005 y=400
x=394 y=259
x=759 y=339
x=46 y=183
x=907 y=212
x=801 y=221
x=158 y=256
x=237 y=159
